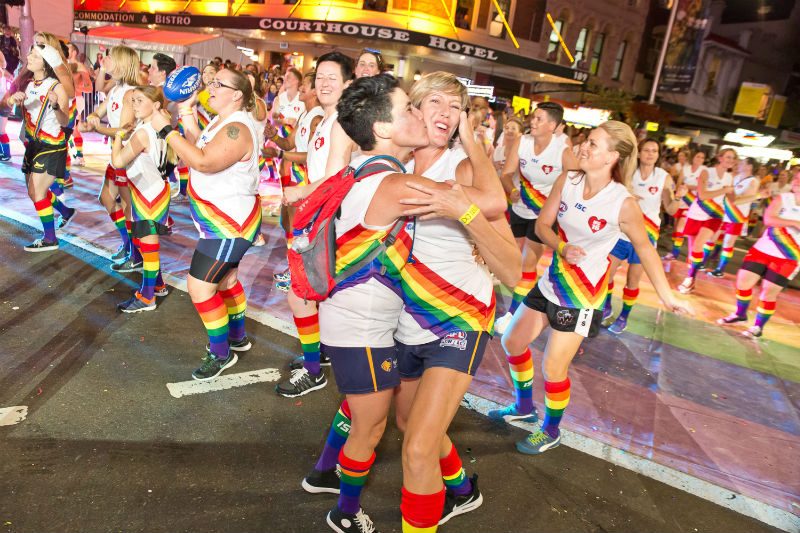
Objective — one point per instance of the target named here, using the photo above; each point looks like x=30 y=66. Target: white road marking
x=10 y=416
x=227 y=381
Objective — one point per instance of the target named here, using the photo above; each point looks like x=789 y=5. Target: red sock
x=422 y=510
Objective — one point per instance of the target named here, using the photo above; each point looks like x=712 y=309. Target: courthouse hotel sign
x=348 y=29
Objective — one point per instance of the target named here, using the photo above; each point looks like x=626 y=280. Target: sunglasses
x=216 y=84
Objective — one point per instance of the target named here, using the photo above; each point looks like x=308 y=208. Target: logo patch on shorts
x=387 y=364
x=457 y=339
x=565 y=317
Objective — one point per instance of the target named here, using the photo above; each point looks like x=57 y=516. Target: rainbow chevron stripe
x=784 y=242
x=156 y=210
x=733 y=212
x=689 y=198
x=299 y=174
x=531 y=197
x=214 y=224
x=571 y=286
x=356 y=244
x=711 y=208
x=652 y=229
x=285 y=130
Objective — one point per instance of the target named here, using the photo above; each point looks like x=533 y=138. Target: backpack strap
x=371 y=166
x=45 y=104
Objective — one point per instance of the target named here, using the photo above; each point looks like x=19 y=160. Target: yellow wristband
x=560 y=248
x=468 y=216
x=173 y=132
x=120 y=134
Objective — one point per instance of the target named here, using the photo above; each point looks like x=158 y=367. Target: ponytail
x=623 y=141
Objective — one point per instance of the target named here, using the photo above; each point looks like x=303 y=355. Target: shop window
x=554 y=45
x=376 y=5
x=496 y=27
x=712 y=73
x=597 y=52
x=580 y=48
x=619 y=60
x=463 y=14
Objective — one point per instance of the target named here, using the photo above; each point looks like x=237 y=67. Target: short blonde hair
x=126 y=61
x=438 y=81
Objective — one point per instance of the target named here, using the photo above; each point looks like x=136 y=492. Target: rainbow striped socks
x=150 y=266
x=556 y=399
x=764 y=313
x=453 y=475
x=521 y=367
x=133 y=250
x=44 y=208
x=236 y=302
x=183 y=178
x=5 y=146
x=677 y=243
x=53 y=193
x=118 y=218
x=629 y=297
x=354 y=476
x=695 y=262
x=607 y=310
x=421 y=512
x=337 y=436
x=522 y=289
x=214 y=315
x=308 y=331
x=724 y=257
x=743 y=301
x=77 y=142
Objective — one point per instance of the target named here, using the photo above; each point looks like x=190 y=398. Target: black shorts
x=460 y=350
x=214 y=258
x=362 y=370
x=145 y=228
x=584 y=322
x=523 y=227
x=43 y=158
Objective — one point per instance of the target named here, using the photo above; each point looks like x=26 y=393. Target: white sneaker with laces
x=502 y=323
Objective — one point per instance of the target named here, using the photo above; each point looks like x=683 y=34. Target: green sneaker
x=538 y=442
x=213 y=367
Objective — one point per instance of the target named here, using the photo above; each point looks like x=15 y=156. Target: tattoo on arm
x=233 y=132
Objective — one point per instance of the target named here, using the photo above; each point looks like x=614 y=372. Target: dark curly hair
x=365 y=102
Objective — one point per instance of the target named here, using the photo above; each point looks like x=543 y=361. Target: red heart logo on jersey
x=596 y=224
x=303 y=131
x=319 y=143
x=42 y=98
x=653 y=189
x=114 y=106
x=547 y=169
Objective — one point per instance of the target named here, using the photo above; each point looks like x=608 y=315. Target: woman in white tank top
x=226 y=209
x=593 y=209
x=688 y=176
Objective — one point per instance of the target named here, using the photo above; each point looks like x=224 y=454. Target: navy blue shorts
x=624 y=251
x=363 y=370
x=461 y=351
x=214 y=258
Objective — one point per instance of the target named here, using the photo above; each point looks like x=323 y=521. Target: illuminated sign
x=518 y=103
x=351 y=29
x=651 y=126
x=586 y=116
x=486 y=91
x=749 y=138
x=762 y=154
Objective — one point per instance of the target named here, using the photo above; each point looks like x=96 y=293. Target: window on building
x=496 y=28
x=619 y=60
x=712 y=73
x=376 y=5
x=463 y=14
x=597 y=52
x=553 y=45
x=580 y=47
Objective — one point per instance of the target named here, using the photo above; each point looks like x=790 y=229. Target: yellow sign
x=519 y=103
x=651 y=126
x=752 y=100
x=776 y=111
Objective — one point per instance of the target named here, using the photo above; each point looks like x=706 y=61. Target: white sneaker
x=687 y=287
x=502 y=323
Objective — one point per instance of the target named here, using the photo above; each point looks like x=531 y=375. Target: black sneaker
x=63 y=222
x=41 y=245
x=298 y=362
x=322 y=481
x=237 y=346
x=301 y=382
x=715 y=273
x=213 y=367
x=127 y=266
x=350 y=523
x=121 y=253
x=456 y=505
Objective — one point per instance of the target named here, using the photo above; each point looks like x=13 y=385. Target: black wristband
x=163 y=132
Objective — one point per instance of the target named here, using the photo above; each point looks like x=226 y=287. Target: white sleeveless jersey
x=37 y=110
x=143 y=172
x=648 y=194
x=783 y=242
x=259 y=124
x=446 y=291
x=690 y=176
x=361 y=312
x=712 y=207
x=594 y=226
x=290 y=110
x=225 y=204
x=114 y=104
x=302 y=133
x=318 y=149
x=537 y=173
x=742 y=209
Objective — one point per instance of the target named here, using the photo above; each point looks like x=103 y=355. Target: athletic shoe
x=68 y=183
x=715 y=273
x=63 y=222
x=135 y=305
x=686 y=288
x=237 y=346
x=161 y=291
x=537 y=443
x=121 y=252
x=322 y=481
x=299 y=361
x=608 y=312
x=607 y=321
x=509 y=414
x=350 y=523
x=669 y=257
x=78 y=162
x=502 y=323
x=286 y=275
x=753 y=332
x=127 y=266
x=213 y=367
x=41 y=245
x=702 y=268
x=259 y=240
x=300 y=383
x=283 y=286
x=5 y=157
x=732 y=318
x=456 y=505
x=618 y=326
